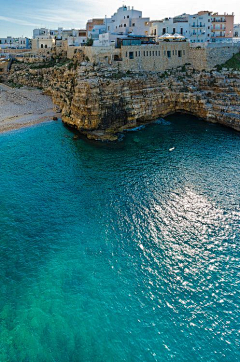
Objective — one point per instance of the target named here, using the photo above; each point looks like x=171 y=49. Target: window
x=41 y=45
x=128 y=16
x=45 y=45
x=147 y=54
x=173 y=52
x=184 y=51
x=159 y=53
x=136 y=54
x=179 y=54
x=139 y=53
x=131 y=55
x=174 y=30
x=163 y=31
x=124 y=25
x=156 y=53
x=169 y=53
x=150 y=53
x=133 y=24
x=164 y=52
x=144 y=53
x=126 y=54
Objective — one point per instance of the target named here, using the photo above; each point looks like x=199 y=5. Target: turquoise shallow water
x=124 y=252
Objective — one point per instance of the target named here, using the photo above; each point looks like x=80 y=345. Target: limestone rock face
x=102 y=102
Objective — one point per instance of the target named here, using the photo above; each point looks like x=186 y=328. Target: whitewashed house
x=178 y=24
x=15 y=43
x=236 y=31
x=126 y=21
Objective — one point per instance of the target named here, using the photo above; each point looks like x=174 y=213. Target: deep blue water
x=120 y=252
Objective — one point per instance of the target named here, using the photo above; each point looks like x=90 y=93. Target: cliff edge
x=102 y=101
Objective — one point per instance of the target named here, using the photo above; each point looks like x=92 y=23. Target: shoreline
x=23 y=107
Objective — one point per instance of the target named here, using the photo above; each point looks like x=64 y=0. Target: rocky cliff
x=100 y=102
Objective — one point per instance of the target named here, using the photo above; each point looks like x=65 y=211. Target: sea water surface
x=120 y=252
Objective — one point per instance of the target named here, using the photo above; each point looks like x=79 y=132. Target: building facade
x=161 y=57
x=93 y=23
x=15 y=43
x=222 y=26
x=127 y=20
x=200 y=27
x=236 y=31
x=206 y=26
x=178 y=24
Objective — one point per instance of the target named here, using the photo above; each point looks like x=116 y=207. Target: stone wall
x=166 y=55
x=3 y=66
x=217 y=54
x=207 y=57
x=101 y=54
x=162 y=56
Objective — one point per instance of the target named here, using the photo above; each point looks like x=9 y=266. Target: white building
x=206 y=26
x=97 y=30
x=236 y=31
x=44 y=38
x=126 y=21
x=200 y=27
x=15 y=43
x=42 y=33
x=178 y=24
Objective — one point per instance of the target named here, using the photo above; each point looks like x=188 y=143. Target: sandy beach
x=23 y=107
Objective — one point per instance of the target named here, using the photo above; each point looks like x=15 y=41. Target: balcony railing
x=198 y=26
x=218 y=21
x=197 y=34
x=214 y=29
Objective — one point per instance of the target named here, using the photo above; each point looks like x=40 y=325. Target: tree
x=89 y=42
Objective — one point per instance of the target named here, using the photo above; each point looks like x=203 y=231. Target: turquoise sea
x=120 y=252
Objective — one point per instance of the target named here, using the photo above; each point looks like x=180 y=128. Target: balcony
x=197 y=34
x=198 y=26
x=218 y=21
x=214 y=29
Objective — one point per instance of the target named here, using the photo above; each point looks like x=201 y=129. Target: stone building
x=3 y=66
x=161 y=57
